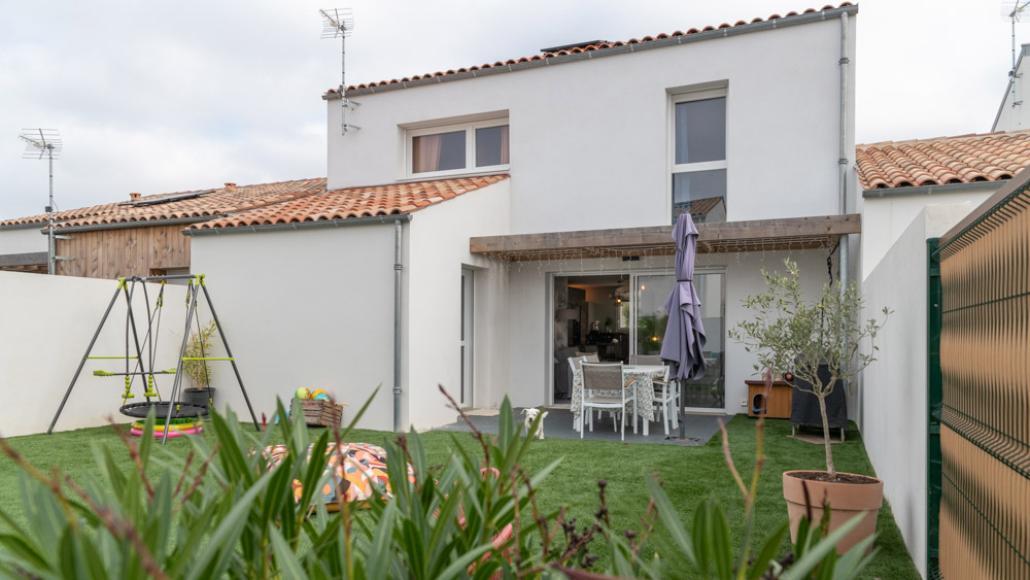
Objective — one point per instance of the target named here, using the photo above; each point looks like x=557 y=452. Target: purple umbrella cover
x=684 y=339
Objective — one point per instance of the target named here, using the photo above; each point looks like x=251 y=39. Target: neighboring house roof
x=180 y=206
x=354 y=203
x=942 y=160
x=1024 y=50
x=594 y=49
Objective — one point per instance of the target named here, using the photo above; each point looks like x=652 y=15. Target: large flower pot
x=848 y=497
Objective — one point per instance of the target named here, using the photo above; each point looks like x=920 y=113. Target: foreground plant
x=218 y=511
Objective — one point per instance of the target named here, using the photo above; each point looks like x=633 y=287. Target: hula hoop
x=138 y=425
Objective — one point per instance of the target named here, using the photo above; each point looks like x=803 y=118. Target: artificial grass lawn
x=690 y=474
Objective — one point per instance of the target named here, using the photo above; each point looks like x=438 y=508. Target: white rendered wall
x=305 y=308
x=529 y=317
x=439 y=248
x=884 y=219
x=590 y=140
x=895 y=386
x=48 y=322
x=22 y=241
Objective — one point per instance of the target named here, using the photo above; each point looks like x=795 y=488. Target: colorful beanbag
x=361 y=475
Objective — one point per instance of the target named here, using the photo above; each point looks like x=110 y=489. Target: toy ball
x=303 y=393
x=323 y=396
x=318 y=392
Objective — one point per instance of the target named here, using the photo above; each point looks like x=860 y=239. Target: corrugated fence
x=983 y=406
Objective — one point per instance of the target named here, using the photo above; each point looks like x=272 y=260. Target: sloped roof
x=355 y=202
x=593 y=49
x=185 y=205
x=942 y=160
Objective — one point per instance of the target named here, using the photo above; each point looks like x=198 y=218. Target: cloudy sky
x=167 y=96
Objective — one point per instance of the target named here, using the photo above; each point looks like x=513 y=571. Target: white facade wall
x=895 y=386
x=530 y=318
x=309 y=307
x=590 y=141
x=885 y=218
x=439 y=249
x=48 y=322
x=22 y=241
x=1014 y=112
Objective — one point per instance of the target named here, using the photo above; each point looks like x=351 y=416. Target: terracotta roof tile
x=942 y=160
x=181 y=205
x=355 y=202
x=335 y=92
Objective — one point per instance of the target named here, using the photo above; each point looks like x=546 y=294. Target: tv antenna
x=45 y=144
x=1015 y=11
x=339 y=23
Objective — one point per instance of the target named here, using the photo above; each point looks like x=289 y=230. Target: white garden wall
x=47 y=324
x=895 y=386
x=311 y=307
x=886 y=217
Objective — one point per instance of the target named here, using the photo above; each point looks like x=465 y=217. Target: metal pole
x=82 y=362
x=140 y=362
x=228 y=352
x=398 y=271
x=191 y=292
x=51 y=246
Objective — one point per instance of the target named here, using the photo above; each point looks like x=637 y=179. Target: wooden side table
x=779 y=400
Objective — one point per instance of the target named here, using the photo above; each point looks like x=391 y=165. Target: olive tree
x=788 y=333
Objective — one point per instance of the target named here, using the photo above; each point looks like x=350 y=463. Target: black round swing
x=161 y=409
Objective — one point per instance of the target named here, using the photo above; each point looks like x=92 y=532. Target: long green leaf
x=287 y=562
x=816 y=553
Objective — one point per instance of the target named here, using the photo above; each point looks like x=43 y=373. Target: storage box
x=318 y=413
x=774 y=406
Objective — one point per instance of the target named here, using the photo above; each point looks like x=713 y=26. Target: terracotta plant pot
x=847 y=499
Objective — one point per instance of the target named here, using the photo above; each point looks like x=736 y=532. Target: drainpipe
x=842 y=160
x=398 y=271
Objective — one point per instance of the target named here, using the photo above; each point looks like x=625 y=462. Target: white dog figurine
x=530 y=415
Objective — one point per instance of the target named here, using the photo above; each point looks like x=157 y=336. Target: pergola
x=802 y=233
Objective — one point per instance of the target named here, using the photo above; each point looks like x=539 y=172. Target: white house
x=1012 y=114
x=482 y=224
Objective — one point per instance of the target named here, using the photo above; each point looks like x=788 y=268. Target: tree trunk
x=826 y=436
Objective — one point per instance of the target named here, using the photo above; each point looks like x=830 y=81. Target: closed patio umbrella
x=684 y=339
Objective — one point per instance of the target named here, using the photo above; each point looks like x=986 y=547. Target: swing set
x=140 y=355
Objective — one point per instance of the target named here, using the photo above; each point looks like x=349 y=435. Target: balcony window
x=457 y=149
x=699 y=157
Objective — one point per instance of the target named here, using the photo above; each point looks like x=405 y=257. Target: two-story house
x=480 y=225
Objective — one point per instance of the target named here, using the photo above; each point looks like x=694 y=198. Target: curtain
x=425 y=152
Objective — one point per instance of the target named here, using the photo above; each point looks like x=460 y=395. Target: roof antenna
x=339 y=23
x=45 y=144
x=1015 y=11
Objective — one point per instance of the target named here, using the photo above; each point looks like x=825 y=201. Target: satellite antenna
x=1014 y=11
x=45 y=144
x=339 y=23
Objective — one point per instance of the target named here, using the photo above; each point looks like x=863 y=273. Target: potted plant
x=199 y=371
x=790 y=334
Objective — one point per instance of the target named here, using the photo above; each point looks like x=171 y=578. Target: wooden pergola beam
x=756 y=235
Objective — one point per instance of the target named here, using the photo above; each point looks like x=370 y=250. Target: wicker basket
x=319 y=413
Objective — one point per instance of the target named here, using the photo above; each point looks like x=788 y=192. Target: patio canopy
x=802 y=233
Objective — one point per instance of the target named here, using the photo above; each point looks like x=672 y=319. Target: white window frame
x=674 y=167
x=470 y=149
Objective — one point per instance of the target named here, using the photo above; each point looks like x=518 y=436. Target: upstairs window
x=469 y=148
x=699 y=156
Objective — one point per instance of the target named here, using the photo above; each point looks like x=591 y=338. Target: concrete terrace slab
x=558 y=425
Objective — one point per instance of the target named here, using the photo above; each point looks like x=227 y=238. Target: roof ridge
x=333 y=93
x=888 y=142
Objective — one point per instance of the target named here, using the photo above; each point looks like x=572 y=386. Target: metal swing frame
x=196 y=289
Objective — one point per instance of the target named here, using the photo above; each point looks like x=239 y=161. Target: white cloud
x=166 y=96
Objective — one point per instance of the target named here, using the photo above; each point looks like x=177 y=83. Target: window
x=458 y=149
x=699 y=156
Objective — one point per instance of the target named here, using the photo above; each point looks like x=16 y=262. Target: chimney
x=134 y=196
x=230 y=186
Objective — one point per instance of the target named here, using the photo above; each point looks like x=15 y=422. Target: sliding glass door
x=706 y=392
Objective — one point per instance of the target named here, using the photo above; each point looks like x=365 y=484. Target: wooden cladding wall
x=123 y=252
x=985 y=376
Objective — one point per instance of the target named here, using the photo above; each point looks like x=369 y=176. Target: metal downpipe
x=398 y=271
x=842 y=160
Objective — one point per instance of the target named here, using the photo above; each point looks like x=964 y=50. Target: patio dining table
x=642 y=379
